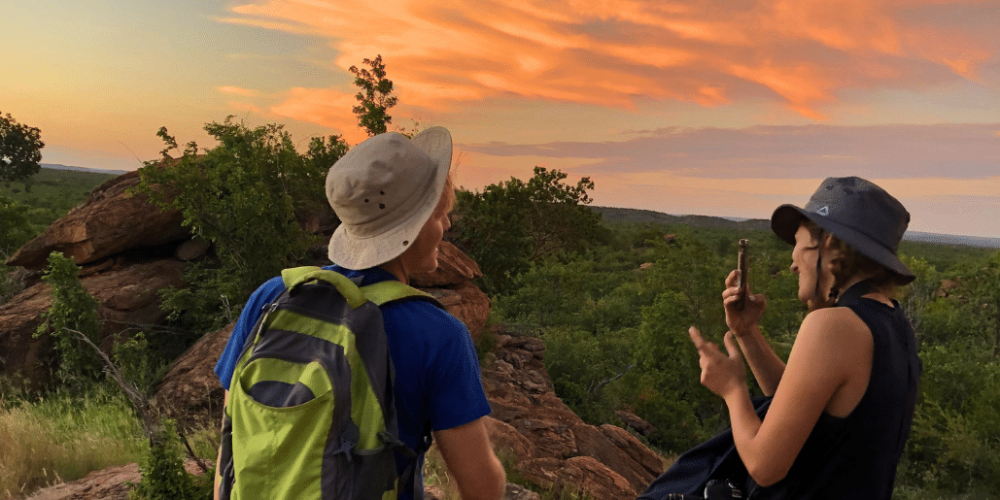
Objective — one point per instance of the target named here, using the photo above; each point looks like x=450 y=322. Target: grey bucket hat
x=384 y=190
x=856 y=211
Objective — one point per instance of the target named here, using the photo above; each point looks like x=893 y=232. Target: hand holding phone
x=743 y=279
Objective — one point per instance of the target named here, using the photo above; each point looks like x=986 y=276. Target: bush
x=163 y=474
x=73 y=310
x=243 y=197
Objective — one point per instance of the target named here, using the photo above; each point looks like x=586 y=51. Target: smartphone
x=742 y=282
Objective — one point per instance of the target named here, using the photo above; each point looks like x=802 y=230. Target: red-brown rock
x=109 y=222
x=507 y=440
x=454 y=268
x=128 y=299
x=590 y=441
x=467 y=303
x=190 y=392
x=577 y=475
x=634 y=449
x=634 y=422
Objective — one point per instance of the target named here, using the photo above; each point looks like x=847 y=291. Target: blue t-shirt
x=437 y=385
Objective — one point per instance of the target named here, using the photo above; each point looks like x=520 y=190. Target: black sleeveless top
x=855 y=458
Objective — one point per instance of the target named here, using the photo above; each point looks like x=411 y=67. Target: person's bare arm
x=471 y=463
x=765 y=364
x=218 y=460
x=832 y=347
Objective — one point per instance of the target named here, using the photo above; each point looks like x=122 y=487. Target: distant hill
x=611 y=214
x=56 y=166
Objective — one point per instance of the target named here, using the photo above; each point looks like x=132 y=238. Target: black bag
x=714 y=461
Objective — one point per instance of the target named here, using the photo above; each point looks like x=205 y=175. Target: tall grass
x=63 y=436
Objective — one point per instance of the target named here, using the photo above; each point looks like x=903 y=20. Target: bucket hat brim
x=785 y=223
x=351 y=252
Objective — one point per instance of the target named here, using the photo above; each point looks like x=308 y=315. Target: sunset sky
x=714 y=107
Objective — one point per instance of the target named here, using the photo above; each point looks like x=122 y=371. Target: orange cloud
x=610 y=53
x=326 y=107
x=238 y=91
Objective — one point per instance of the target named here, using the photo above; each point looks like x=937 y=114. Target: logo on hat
x=825 y=211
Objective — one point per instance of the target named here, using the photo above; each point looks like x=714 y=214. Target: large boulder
x=110 y=222
x=128 y=301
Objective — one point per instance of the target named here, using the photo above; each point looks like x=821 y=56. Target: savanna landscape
x=608 y=292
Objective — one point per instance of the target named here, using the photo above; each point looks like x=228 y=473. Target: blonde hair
x=448 y=193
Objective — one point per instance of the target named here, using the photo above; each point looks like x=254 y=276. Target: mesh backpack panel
x=311 y=413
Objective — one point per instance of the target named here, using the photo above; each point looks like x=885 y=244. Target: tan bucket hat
x=384 y=190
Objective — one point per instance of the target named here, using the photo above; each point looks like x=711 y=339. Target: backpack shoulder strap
x=300 y=275
x=391 y=291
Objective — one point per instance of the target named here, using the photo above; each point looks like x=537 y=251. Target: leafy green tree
x=511 y=224
x=582 y=365
x=20 y=151
x=983 y=285
x=73 y=309
x=243 y=197
x=375 y=96
x=15 y=226
x=687 y=279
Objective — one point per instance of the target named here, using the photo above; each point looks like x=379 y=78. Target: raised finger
x=696 y=338
x=733 y=278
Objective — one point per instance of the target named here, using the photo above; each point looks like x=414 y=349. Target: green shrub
x=243 y=196
x=163 y=474
x=73 y=310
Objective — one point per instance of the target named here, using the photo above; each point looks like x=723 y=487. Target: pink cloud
x=799 y=52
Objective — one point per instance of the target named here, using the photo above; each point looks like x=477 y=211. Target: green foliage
x=20 y=151
x=243 y=197
x=15 y=226
x=374 y=97
x=54 y=193
x=15 y=230
x=138 y=363
x=163 y=474
x=73 y=309
x=669 y=393
x=509 y=225
x=955 y=441
x=582 y=366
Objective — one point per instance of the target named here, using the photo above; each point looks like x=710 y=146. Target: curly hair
x=850 y=263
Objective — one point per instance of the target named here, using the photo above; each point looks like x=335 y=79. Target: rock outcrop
x=559 y=450
x=128 y=298
x=451 y=284
x=110 y=222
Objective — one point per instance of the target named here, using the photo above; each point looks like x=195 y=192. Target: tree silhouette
x=20 y=151
x=374 y=97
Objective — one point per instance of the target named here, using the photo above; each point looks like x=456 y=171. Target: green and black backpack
x=311 y=412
